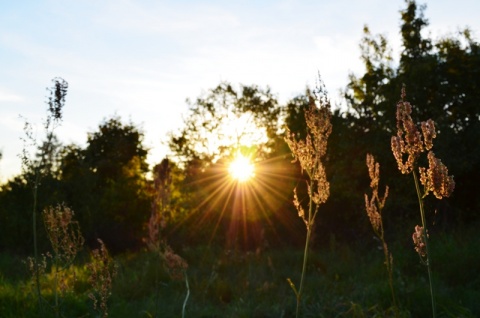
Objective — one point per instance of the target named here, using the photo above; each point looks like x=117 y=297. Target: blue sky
x=142 y=59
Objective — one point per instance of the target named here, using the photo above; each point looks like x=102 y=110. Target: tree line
x=113 y=192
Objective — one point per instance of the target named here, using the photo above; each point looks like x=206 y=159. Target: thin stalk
x=389 y=265
x=188 y=294
x=305 y=256
x=55 y=288
x=157 y=288
x=425 y=237
x=35 y=244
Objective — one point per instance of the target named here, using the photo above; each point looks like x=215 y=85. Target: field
x=342 y=281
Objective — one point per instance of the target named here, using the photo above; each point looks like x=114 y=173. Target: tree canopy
x=106 y=182
x=224 y=121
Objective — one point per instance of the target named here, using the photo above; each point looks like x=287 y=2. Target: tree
x=113 y=147
x=106 y=186
x=442 y=79
x=219 y=125
x=223 y=121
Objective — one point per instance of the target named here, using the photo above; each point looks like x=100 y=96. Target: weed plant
x=343 y=282
x=409 y=143
x=374 y=207
x=56 y=102
x=310 y=154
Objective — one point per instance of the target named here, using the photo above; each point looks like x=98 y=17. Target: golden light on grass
x=241 y=168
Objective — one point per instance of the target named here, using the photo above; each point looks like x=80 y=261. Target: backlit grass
x=345 y=280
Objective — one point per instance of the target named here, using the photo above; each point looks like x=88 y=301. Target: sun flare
x=241 y=169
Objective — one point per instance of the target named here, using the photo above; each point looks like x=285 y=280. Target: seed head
x=428 y=130
x=436 y=178
x=311 y=151
x=408 y=140
x=375 y=204
x=419 y=241
x=175 y=264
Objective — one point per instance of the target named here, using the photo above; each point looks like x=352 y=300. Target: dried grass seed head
x=429 y=133
x=63 y=232
x=419 y=241
x=176 y=265
x=436 y=178
x=375 y=204
x=102 y=270
x=311 y=151
x=408 y=140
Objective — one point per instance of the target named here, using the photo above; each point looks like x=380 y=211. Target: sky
x=142 y=59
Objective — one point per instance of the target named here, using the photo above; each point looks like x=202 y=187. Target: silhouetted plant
x=66 y=239
x=102 y=270
x=310 y=153
x=374 y=207
x=55 y=103
x=407 y=146
x=175 y=265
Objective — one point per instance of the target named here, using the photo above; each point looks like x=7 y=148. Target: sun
x=241 y=169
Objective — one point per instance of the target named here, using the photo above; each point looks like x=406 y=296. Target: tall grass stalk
x=55 y=103
x=35 y=244
x=409 y=143
x=66 y=240
x=374 y=207
x=102 y=271
x=425 y=240
x=187 y=296
x=309 y=153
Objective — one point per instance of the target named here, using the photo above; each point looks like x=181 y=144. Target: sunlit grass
x=343 y=283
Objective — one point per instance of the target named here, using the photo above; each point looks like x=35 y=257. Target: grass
x=344 y=281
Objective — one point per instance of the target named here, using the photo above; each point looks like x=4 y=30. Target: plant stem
x=55 y=287
x=389 y=264
x=425 y=237
x=305 y=256
x=186 y=297
x=35 y=246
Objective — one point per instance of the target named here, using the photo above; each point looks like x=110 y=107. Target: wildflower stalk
x=102 y=271
x=310 y=153
x=305 y=256
x=374 y=207
x=55 y=104
x=66 y=240
x=411 y=143
x=425 y=239
x=188 y=294
x=35 y=244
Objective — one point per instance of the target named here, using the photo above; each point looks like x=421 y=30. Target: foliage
x=218 y=126
x=192 y=201
x=441 y=77
x=344 y=282
x=224 y=120
x=105 y=184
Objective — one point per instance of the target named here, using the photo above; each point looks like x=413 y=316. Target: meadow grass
x=345 y=280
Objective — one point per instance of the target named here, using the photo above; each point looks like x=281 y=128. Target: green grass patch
x=342 y=281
